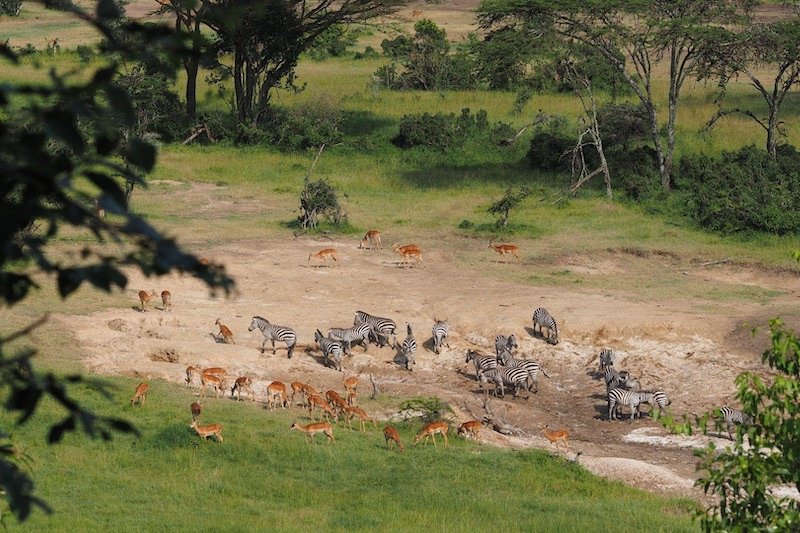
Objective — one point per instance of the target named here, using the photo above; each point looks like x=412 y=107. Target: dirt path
x=669 y=344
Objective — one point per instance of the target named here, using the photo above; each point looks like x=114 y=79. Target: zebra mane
x=256 y=317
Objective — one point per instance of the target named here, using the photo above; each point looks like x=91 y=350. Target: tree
x=646 y=31
x=749 y=52
x=58 y=147
x=511 y=199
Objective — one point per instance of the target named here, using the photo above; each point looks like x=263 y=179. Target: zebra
x=732 y=417
x=607 y=358
x=380 y=326
x=482 y=363
x=545 y=320
x=331 y=348
x=505 y=358
x=358 y=334
x=660 y=400
x=440 y=331
x=501 y=342
x=516 y=377
x=272 y=332
x=618 y=397
x=409 y=348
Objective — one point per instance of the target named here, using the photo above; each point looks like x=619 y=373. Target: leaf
x=108 y=185
x=141 y=154
x=107 y=9
x=120 y=102
x=69 y=279
x=63 y=125
x=14 y=287
x=57 y=431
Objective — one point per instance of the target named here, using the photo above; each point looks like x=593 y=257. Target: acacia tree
x=647 y=31
x=59 y=142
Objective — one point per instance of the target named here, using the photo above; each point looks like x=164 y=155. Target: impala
x=245 y=384
x=408 y=252
x=208 y=430
x=391 y=434
x=140 y=395
x=470 y=427
x=312 y=429
x=373 y=237
x=323 y=256
x=556 y=435
x=212 y=381
x=505 y=249
x=224 y=333
x=350 y=386
x=430 y=430
x=166 y=300
x=315 y=400
x=276 y=394
x=351 y=411
x=145 y=297
x=196 y=410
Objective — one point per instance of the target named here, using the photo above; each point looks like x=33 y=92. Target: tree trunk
x=663 y=170
x=772 y=131
x=673 y=112
x=238 y=85
x=192 y=65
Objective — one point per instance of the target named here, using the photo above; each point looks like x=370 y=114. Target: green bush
x=12 y=8
x=333 y=42
x=743 y=190
x=441 y=131
x=309 y=124
x=368 y=53
x=550 y=151
x=635 y=171
x=85 y=53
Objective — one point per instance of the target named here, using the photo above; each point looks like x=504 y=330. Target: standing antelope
x=350 y=386
x=140 y=395
x=336 y=400
x=297 y=387
x=212 y=381
x=166 y=301
x=323 y=256
x=556 y=435
x=408 y=252
x=312 y=429
x=190 y=372
x=351 y=411
x=315 y=400
x=208 y=430
x=470 y=427
x=196 y=409
x=373 y=237
x=430 y=430
x=391 y=434
x=224 y=333
x=145 y=297
x=504 y=249
x=276 y=395
x=245 y=384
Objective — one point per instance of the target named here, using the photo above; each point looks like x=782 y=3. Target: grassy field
x=264 y=477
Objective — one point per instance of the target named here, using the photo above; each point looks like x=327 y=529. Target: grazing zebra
x=607 y=358
x=660 y=400
x=409 y=348
x=732 y=417
x=482 y=363
x=272 y=332
x=440 y=331
x=502 y=375
x=618 y=397
x=501 y=342
x=385 y=326
x=506 y=359
x=545 y=320
x=358 y=334
x=331 y=349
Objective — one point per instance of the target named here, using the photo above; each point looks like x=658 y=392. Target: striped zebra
x=532 y=367
x=607 y=358
x=501 y=342
x=272 y=332
x=545 y=320
x=332 y=349
x=482 y=363
x=358 y=334
x=505 y=375
x=732 y=417
x=611 y=377
x=409 y=348
x=633 y=399
x=660 y=400
x=440 y=331
x=380 y=326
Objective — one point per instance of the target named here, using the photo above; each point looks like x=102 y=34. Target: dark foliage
x=318 y=201
x=550 y=151
x=441 y=131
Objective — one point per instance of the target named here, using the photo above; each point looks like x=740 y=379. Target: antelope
x=99 y=211
x=504 y=249
x=190 y=372
x=196 y=410
x=556 y=436
x=276 y=393
x=208 y=430
x=166 y=300
x=312 y=429
x=315 y=400
x=215 y=370
x=310 y=390
x=373 y=237
x=391 y=434
x=297 y=387
x=140 y=395
x=243 y=384
x=430 y=430
x=407 y=252
x=416 y=13
x=470 y=427
x=204 y=261
x=145 y=297
x=336 y=400
x=350 y=385
x=224 y=333
x=211 y=380
x=351 y=411
x=323 y=255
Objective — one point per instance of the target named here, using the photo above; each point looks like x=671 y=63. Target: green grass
x=264 y=477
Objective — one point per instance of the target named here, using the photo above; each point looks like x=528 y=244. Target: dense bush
x=85 y=53
x=333 y=42
x=11 y=8
x=442 y=131
x=308 y=124
x=744 y=190
x=623 y=125
x=550 y=151
x=635 y=171
x=501 y=59
x=159 y=112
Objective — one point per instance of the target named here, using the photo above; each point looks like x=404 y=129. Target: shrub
x=309 y=124
x=441 y=131
x=622 y=125
x=368 y=53
x=85 y=53
x=635 y=171
x=12 y=8
x=549 y=151
x=158 y=109
x=333 y=42
x=318 y=200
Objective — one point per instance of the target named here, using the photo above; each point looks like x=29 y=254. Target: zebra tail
x=545 y=373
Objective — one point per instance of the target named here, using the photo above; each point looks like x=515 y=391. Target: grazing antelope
x=224 y=333
x=310 y=390
x=208 y=430
x=312 y=429
x=373 y=237
x=212 y=381
x=196 y=410
x=315 y=400
x=556 y=435
x=408 y=252
x=430 y=430
x=166 y=301
x=99 y=211
x=335 y=399
x=323 y=255
x=245 y=384
x=297 y=388
x=276 y=395
x=391 y=434
x=350 y=386
x=351 y=411
x=470 y=427
x=190 y=372
x=145 y=297
x=504 y=249
x=140 y=395
x=216 y=370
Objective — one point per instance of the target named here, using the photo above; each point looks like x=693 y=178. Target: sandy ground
x=675 y=345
